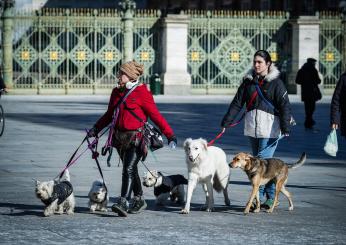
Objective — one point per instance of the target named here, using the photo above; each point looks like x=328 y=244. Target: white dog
x=166 y=186
x=206 y=165
x=98 y=197
x=58 y=197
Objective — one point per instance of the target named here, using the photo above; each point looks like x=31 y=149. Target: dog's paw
x=69 y=212
x=47 y=213
x=104 y=210
x=209 y=210
x=290 y=208
x=246 y=211
x=257 y=210
x=92 y=210
x=270 y=210
x=184 y=211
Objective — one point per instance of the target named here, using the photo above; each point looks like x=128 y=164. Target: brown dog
x=261 y=171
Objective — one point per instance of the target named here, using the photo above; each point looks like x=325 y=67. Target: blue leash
x=272 y=144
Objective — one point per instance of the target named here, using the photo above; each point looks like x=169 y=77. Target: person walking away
x=338 y=106
x=309 y=79
x=263 y=123
x=128 y=133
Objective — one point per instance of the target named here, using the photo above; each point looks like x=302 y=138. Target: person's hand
x=92 y=132
x=286 y=134
x=335 y=126
x=172 y=142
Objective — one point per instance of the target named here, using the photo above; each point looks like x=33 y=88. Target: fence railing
x=222 y=44
x=331 y=48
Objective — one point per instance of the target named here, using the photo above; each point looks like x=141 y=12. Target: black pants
x=309 y=111
x=130 y=178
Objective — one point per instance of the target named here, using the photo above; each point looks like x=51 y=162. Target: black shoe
x=121 y=207
x=137 y=205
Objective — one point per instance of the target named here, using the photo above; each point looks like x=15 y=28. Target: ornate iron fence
x=221 y=45
x=78 y=48
x=331 y=44
x=147 y=41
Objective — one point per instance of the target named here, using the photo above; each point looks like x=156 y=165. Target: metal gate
x=221 y=45
x=331 y=44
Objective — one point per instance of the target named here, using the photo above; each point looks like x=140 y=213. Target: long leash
x=73 y=159
x=272 y=144
x=252 y=99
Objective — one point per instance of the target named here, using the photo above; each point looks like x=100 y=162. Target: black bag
x=152 y=136
x=316 y=93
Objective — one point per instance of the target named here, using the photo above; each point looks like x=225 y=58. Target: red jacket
x=141 y=102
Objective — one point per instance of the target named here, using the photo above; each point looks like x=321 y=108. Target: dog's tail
x=65 y=176
x=300 y=162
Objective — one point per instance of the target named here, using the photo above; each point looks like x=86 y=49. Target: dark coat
x=309 y=79
x=273 y=90
x=338 y=105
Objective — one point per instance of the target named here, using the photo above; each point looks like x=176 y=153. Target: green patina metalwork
x=331 y=48
x=146 y=41
x=80 y=48
x=221 y=44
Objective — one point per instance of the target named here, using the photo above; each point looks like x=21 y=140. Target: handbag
x=152 y=136
x=316 y=93
x=331 y=145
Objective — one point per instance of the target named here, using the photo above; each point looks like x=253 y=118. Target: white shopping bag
x=331 y=145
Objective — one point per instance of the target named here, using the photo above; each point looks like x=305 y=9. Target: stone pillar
x=305 y=44
x=176 y=79
x=128 y=8
x=7 y=38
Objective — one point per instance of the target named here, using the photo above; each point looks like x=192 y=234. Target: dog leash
x=95 y=155
x=272 y=144
x=252 y=99
x=73 y=159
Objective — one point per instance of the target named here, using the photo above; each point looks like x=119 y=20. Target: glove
x=172 y=142
x=92 y=132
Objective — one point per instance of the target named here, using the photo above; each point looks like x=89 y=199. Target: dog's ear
x=187 y=143
x=248 y=159
x=37 y=182
x=204 y=143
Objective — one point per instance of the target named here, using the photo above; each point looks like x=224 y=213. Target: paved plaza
x=43 y=131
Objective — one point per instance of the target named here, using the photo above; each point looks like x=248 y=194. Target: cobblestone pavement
x=42 y=132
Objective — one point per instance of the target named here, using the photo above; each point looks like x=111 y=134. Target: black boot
x=138 y=204
x=121 y=207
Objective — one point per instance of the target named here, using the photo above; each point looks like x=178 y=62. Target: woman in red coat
x=127 y=136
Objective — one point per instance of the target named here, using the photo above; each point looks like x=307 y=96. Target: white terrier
x=98 y=197
x=58 y=197
x=166 y=186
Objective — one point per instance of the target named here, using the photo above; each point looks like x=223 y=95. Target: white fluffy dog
x=98 y=197
x=57 y=196
x=208 y=166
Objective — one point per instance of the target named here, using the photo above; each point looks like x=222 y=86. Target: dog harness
x=61 y=192
x=168 y=183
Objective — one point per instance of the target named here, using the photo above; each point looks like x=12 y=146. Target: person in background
x=338 y=106
x=309 y=79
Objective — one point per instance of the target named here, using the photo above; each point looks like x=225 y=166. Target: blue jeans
x=258 y=144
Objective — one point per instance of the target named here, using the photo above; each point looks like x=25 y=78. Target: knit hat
x=132 y=69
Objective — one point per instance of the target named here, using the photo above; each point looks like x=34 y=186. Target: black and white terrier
x=58 y=197
x=166 y=186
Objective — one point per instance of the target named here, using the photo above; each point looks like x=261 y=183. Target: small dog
x=206 y=165
x=261 y=171
x=98 y=197
x=58 y=197
x=166 y=186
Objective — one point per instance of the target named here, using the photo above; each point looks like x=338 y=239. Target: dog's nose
x=190 y=158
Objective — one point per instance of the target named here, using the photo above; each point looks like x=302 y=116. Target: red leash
x=253 y=97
